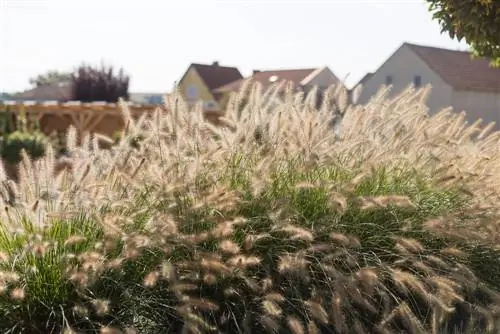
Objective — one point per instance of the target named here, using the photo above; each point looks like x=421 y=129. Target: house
x=60 y=92
x=457 y=80
x=361 y=82
x=302 y=79
x=146 y=98
x=200 y=81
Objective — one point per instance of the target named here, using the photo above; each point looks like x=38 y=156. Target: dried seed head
x=223 y=230
x=267 y=283
x=312 y=328
x=295 y=325
x=9 y=277
x=115 y=263
x=271 y=308
x=297 y=233
x=214 y=265
x=101 y=306
x=81 y=310
x=69 y=330
x=455 y=252
x=74 y=240
x=320 y=248
x=167 y=271
x=275 y=297
x=317 y=311
x=182 y=287
x=242 y=261
x=252 y=239
x=269 y=323
x=367 y=276
x=229 y=247
x=39 y=249
x=17 y=294
x=151 y=279
x=80 y=278
x=110 y=330
x=405 y=280
x=292 y=263
x=341 y=239
x=411 y=245
x=4 y=257
x=210 y=279
x=305 y=185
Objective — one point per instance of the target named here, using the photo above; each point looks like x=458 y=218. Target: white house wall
x=478 y=105
x=323 y=79
x=403 y=65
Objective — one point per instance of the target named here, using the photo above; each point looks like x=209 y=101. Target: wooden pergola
x=84 y=116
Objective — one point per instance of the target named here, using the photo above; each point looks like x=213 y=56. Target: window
x=154 y=99
x=210 y=105
x=192 y=92
x=417 y=81
x=388 y=80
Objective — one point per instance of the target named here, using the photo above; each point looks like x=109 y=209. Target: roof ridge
x=434 y=47
x=289 y=69
x=210 y=65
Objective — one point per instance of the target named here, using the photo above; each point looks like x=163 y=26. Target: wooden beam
x=81 y=122
x=90 y=126
x=76 y=122
x=54 y=106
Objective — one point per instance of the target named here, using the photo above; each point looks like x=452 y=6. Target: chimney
x=215 y=64
x=255 y=72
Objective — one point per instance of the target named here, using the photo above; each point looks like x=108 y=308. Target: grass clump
x=388 y=226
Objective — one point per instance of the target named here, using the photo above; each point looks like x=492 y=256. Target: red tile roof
x=54 y=92
x=458 y=70
x=215 y=75
x=295 y=76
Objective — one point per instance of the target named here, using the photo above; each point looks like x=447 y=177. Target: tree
x=475 y=21
x=51 y=77
x=99 y=84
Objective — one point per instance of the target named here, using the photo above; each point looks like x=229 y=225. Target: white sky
x=156 y=40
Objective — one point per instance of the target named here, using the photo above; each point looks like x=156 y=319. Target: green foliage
x=33 y=143
x=7 y=123
x=221 y=233
x=51 y=77
x=153 y=307
x=41 y=272
x=18 y=135
x=134 y=141
x=476 y=21
x=99 y=84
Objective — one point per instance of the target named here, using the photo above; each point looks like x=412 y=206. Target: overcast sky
x=156 y=40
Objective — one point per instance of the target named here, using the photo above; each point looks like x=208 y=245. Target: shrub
x=33 y=143
x=385 y=226
x=7 y=121
x=91 y=84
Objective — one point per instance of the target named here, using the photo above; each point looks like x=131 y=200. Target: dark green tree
x=475 y=21
x=100 y=84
